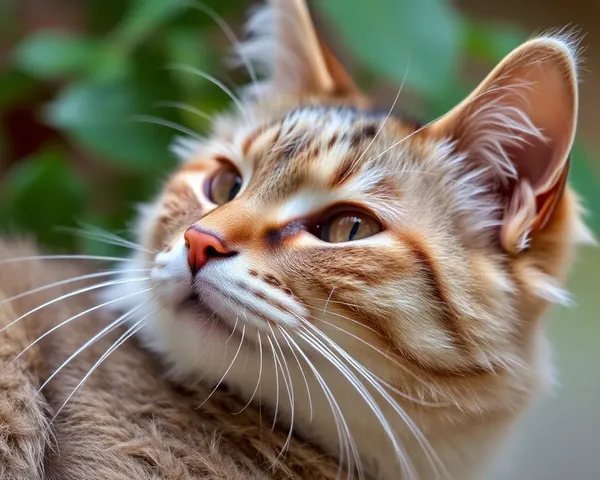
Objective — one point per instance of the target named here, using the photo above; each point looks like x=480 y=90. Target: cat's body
x=398 y=274
x=128 y=422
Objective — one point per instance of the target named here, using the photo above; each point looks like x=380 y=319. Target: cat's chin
x=206 y=320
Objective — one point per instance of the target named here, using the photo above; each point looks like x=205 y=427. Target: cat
x=127 y=422
x=376 y=286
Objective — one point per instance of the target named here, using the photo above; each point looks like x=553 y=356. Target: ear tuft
x=521 y=122
x=285 y=48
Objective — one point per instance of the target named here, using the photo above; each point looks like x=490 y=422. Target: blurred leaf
x=49 y=55
x=184 y=46
x=142 y=19
x=396 y=37
x=101 y=118
x=490 y=42
x=14 y=86
x=42 y=193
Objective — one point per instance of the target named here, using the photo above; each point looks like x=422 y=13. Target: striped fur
x=442 y=309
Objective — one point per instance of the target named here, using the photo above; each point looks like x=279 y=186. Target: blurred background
x=89 y=105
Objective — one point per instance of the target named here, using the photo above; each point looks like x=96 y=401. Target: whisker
x=102 y=333
x=290 y=389
x=321 y=348
x=120 y=341
x=167 y=123
x=347 y=443
x=370 y=377
x=72 y=294
x=381 y=127
x=276 y=383
x=186 y=108
x=74 y=317
x=396 y=363
x=71 y=257
x=72 y=280
x=229 y=33
x=259 y=375
x=232 y=330
x=310 y=405
x=218 y=83
x=95 y=233
x=226 y=371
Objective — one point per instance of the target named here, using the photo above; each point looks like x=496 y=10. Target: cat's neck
x=427 y=448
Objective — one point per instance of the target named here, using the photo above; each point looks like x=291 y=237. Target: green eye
x=350 y=226
x=224 y=186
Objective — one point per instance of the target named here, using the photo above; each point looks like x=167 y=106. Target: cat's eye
x=225 y=185
x=349 y=226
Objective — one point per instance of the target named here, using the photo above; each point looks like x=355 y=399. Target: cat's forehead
x=321 y=148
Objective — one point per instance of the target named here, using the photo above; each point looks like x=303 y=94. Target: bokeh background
x=80 y=80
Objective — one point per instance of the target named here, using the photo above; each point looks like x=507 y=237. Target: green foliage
x=103 y=160
x=44 y=191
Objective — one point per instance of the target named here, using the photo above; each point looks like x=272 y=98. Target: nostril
x=211 y=252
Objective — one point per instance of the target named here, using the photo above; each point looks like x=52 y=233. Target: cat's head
x=307 y=211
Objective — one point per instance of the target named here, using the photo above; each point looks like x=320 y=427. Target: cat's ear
x=286 y=46
x=521 y=122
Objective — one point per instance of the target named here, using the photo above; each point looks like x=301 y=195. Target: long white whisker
x=74 y=317
x=276 y=383
x=385 y=355
x=218 y=83
x=102 y=333
x=70 y=257
x=346 y=440
x=185 y=108
x=166 y=123
x=290 y=389
x=232 y=330
x=228 y=31
x=72 y=294
x=228 y=368
x=71 y=280
x=310 y=404
x=389 y=114
x=260 y=367
x=99 y=235
x=321 y=348
x=373 y=381
x=122 y=339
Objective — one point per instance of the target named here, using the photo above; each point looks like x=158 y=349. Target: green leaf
x=101 y=117
x=490 y=42
x=50 y=55
x=14 y=86
x=419 y=39
x=41 y=193
x=143 y=19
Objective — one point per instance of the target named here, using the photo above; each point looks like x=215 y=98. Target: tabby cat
x=376 y=286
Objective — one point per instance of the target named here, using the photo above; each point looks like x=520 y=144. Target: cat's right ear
x=285 y=45
x=519 y=124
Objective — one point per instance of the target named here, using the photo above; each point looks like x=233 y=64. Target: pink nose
x=201 y=247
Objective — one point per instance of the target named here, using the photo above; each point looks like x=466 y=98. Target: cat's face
x=336 y=217
x=424 y=254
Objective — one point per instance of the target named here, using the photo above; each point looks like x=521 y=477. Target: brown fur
x=127 y=422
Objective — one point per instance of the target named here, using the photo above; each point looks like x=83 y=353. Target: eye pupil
x=354 y=229
x=235 y=189
x=224 y=186
x=348 y=226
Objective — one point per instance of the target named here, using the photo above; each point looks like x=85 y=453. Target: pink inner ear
x=548 y=102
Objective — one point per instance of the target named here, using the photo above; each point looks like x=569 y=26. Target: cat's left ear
x=521 y=122
x=285 y=43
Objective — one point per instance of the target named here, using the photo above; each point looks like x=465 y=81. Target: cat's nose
x=203 y=246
